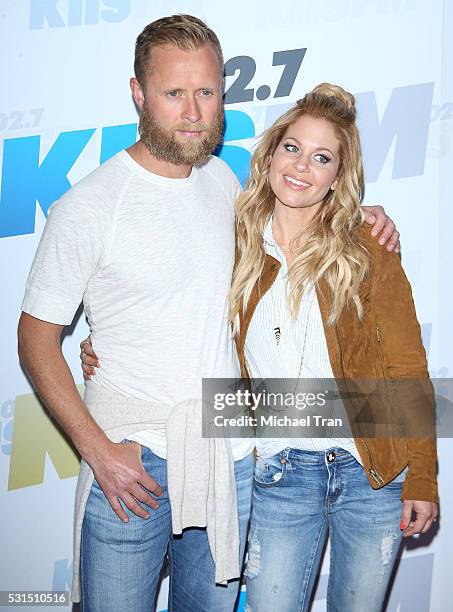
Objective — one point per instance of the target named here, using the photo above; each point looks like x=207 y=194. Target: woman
x=313 y=296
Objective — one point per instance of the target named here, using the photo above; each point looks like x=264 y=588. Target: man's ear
x=137 y=92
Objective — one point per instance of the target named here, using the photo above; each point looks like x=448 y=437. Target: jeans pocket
x=269 y=470
x=127 y=441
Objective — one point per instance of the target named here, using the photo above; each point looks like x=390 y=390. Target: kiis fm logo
x=50 y=13
x=404 y=123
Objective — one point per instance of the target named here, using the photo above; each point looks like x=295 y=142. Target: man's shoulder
x=99 y=190
x=215 y=168
x=105 y=179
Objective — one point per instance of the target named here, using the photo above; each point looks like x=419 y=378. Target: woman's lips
x=296 y=184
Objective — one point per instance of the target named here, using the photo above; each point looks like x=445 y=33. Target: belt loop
x=287 y=462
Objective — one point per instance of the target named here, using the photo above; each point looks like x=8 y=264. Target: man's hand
x=375 y=216
x=89 y=359
x=120 y=474
x=425 y=516
x=117 y=467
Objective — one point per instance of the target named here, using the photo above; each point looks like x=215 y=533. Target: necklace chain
x=301 y=364
x=278 y=328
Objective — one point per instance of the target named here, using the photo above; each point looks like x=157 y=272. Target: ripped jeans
x=298 y=498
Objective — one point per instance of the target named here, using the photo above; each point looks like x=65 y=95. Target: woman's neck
x=289 y=223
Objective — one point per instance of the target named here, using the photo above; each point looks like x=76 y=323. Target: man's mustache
x=201 y=127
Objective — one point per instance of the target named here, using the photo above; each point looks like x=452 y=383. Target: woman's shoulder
x=384 y=266
x=371 y=243
x=378 y=252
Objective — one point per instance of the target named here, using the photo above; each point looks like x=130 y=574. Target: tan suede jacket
x=386 y=346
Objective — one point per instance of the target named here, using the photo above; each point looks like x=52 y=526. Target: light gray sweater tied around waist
x=201 y=483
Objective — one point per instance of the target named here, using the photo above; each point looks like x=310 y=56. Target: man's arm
x=117 y=467
x=41 y=356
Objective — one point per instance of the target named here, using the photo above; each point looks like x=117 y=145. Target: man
x=147 y=241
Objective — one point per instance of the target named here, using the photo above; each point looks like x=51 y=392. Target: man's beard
x=162 y=143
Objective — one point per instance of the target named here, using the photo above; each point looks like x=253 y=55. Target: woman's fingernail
x=402 y=525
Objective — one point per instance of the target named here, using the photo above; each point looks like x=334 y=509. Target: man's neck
x=144 y=158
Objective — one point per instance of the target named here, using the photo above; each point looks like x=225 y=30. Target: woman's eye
x=322 y=158
x=291 y=148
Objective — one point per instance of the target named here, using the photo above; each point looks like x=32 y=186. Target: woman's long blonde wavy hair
x=333 y=249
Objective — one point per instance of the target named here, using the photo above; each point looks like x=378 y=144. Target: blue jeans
x=298 y=497
x=121 y=562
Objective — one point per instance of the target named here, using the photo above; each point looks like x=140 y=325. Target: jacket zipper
x=372 y=471
x=381 y=357
x=376 y=476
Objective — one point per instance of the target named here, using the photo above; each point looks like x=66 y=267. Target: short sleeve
x=68 y=255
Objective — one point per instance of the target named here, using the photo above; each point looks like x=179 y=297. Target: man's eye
x=173 y=94
x=291 y=148
x=322 y=158
x=206 y=93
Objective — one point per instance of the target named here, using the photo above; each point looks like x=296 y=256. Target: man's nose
x=191 y=110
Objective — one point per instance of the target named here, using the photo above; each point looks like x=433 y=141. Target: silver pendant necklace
x=279 y=328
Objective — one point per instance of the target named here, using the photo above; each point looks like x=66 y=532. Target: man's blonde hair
x=184 y=31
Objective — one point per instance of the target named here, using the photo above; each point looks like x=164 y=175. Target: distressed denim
x=298 y=498
x=121 y=563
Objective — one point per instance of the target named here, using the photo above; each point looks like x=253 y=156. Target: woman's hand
x=375 y=216
x=89 y=359
x=425 y=513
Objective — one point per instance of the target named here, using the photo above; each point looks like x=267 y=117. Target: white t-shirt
x=152 y=259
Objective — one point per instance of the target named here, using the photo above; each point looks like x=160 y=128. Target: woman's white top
x=267 y=359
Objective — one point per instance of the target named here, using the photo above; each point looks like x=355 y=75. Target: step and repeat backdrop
x=66 y=107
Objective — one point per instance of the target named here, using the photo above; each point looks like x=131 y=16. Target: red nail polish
x=402 y=525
